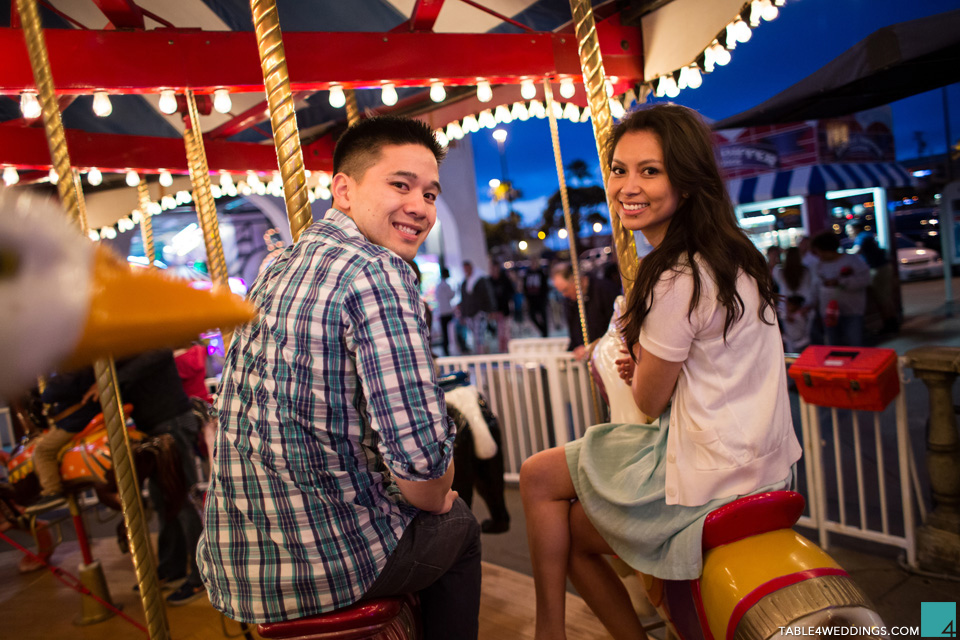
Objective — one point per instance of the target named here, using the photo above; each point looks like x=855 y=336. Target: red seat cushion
x=750 y=516
x=362 y=615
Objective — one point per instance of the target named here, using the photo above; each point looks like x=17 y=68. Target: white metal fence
x=856 y=473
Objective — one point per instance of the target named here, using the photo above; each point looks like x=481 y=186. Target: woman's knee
x=546 y=473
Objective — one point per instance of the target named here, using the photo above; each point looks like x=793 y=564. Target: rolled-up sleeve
x=404 y=404
x=669 y=328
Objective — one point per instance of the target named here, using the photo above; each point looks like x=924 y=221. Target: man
x=332 y=475
x=599 y=295
x=535 y=289
x=839 y=291
x=476 y=301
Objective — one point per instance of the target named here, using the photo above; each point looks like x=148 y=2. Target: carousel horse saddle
x=751 y=516
x=379 y=619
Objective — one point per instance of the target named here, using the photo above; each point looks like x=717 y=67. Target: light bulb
x=608 y=85
x=571 y=112
x=502 y=114
x=389 y=94
x=101 y=104
x=216 y=191
x=694 y=79
x=597 y=227
x=562 y=234
x=470 y=124
x=522 y=245
x=54 y=178
x=519 y=112
x=225 y=180
x=168 y=101
x=323 y=193
x=253 y=179
x=500 y=135
x=486 y=119
x=168 y=202
x=323 y=179
x=166 y=179
x=720 y=54
x=779 y=3
x=742 y=31
x=557 y=110
x=94 y=177
x=437 y=92
x=730 y=39
x=132 y=179
x=108 y=232
x=441 y=137
x=755 y=10
x=567 y=88
x=616 y=109
x=93 y=235
x=337 y=97
x=769 y=11
x=10 y=176
x=672 y=89
x=585 y=115
x=221 y=101
x=454 y=131
x=29 y=105
x=537 y=110
x=528 y=90
x=484 y=91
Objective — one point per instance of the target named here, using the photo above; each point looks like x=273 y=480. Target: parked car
x=917 y=261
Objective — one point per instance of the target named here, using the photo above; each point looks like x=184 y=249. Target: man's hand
x=448 y=501
x=92 y=394
x=625 y=367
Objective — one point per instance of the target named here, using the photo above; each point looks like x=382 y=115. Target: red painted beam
x=26 y=148
x=126 y=62
x=122 y=14
x=425 y=15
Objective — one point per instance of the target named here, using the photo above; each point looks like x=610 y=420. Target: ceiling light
x=166 y=179
x=132 y=179
x=337 y=97
x=437 y=92
x=10 y=176
x=29 y=105
x=484 y=91
x=567 y=88
x=54 y=178
x=101 y=104
x=221 y=101
x=168 y=101
x=94 y=177
x=528 y=90
x=389 y=94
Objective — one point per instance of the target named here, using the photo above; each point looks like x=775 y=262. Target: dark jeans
x=848 y=332
x=178 y=537
x=538 y=314
x=438 y=557
x=444 y=333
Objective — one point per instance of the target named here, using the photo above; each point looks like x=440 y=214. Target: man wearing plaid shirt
x=333 y=461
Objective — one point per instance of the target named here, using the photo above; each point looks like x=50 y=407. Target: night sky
x=806 y=36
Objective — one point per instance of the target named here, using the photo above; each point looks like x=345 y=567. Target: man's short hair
x=826 y=241
x=359 y=146
x=562 y=269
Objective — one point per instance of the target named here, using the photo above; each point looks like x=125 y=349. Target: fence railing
x=856 y=473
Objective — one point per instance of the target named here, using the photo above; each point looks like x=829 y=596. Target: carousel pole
x=205 y=204
x=146 y=225
x=283 y=116
x=568 y=223
x=71 y=197
x=353 y=111
x=594 y=82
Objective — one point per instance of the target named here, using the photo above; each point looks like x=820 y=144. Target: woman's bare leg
x=546 y=489
x=597 y=582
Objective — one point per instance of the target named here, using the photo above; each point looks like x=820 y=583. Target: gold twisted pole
x=594 y=82
x=571 y=236
x=50 y=108
x=283 y=116
x=353 y=110
x=146 y=225
x=203 y=195
x=81 y=203
x=71 y=196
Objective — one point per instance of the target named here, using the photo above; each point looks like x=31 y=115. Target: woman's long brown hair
x=703 y=225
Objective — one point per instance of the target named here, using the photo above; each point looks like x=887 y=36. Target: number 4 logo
x=938 y=619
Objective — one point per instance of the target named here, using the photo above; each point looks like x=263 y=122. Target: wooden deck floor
x=38 y=606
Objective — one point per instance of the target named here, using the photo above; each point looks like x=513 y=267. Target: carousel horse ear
x=71 y=302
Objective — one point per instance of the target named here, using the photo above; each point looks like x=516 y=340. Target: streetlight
x=500 y=135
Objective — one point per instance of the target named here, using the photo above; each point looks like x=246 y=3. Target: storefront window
x=773 y=222
x=864 y=207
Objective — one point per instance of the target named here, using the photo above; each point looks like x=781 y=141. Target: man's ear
x=341 y=190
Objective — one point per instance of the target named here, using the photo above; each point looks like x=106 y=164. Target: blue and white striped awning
x=816 y=179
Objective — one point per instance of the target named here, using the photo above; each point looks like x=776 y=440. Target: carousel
x=129 y=109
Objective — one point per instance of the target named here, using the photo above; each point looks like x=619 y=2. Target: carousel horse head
x=69 y=302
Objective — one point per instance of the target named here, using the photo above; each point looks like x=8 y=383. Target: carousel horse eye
x=9 y=263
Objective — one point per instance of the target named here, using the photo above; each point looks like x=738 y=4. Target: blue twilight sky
x=806 y=36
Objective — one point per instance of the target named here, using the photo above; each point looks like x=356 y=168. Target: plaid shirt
x=329 y=392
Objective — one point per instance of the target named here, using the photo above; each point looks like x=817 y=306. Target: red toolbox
x=861 y=378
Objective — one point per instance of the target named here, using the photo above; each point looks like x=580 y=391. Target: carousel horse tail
x=158 y=458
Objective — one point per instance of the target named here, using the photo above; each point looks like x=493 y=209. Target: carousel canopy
x=132 y=58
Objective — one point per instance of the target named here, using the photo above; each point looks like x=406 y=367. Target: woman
x=794 y=282
x=701 y=330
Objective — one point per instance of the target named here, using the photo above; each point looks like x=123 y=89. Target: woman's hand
x=625 y=366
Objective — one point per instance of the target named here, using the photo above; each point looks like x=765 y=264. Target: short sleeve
x=669 y=328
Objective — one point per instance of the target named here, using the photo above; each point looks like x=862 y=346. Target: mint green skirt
x=619 y=473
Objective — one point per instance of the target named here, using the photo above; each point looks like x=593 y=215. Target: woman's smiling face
x=639 y=188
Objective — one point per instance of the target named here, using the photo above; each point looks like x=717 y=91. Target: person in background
x=599 y=294
x=774 y=256
x=445 y=296
x=795 y=311
x=476 y=301
x=839 y=291
x=880 y=290
x=503 y=296
x=333 y=467
x=70 y=413
x=191 y=364
x=536 y=291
